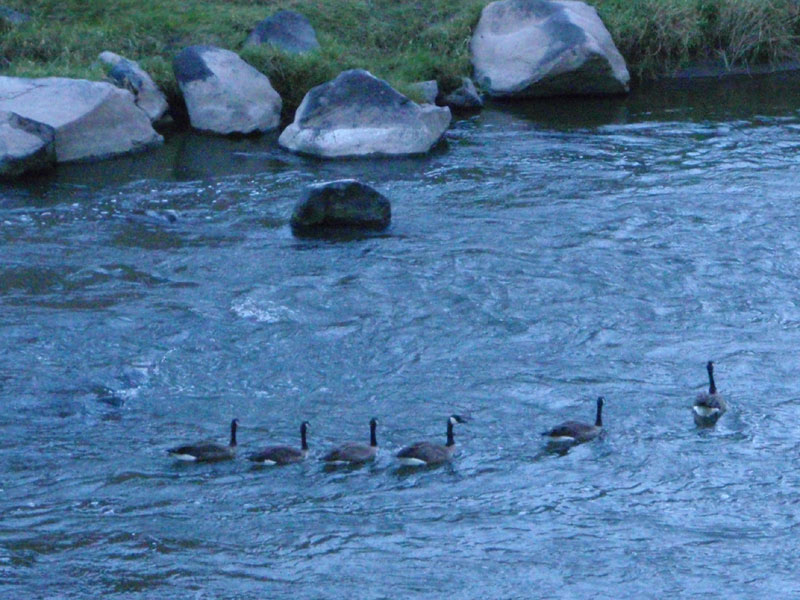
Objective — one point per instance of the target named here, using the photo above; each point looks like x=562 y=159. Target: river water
x=547 y=254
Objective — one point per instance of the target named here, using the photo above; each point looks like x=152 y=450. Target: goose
x=709 y=407
x=573 y=432
x=353 y=452
x=427 y=453
x=207 y=451
x=283 y=455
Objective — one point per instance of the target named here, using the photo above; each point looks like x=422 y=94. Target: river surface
x=545 y=255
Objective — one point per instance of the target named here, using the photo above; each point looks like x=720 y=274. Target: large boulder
x=345 y=203
x=91 y=119
x=25 y=145
x=535 y=48
x=223 y=93
x=129 y=75
x=286 y=30
x=358 y=114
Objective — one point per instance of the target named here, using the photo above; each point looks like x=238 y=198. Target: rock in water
x=223 y=93
x=286 y=30
x=429 y=90
x=345 y=203
x=535 y=48
x=91 y=119
x=127 y=74
x=358 y=114
x=465 y=97
x=25 y=145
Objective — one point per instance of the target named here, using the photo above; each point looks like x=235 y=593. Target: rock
x=12 y=17
x=464 y=98
x=429 y=90
x=128 y=75
x=535 y=48
x=91 y=119
x=223 y=93
x=286 y=30
x=358 y=114
x=345 y=203
x=25 y=145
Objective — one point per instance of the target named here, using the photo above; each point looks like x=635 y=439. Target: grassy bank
x=401 y=41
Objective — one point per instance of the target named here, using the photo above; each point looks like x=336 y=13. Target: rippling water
x=549 y=254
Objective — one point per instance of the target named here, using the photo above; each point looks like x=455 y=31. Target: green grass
x=401 y=41
x=658 y=36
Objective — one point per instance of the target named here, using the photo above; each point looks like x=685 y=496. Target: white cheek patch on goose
x=705 y=411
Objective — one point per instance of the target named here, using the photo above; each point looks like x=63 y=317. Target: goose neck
x=303 y=442
x=233 y=434
x=712 y=387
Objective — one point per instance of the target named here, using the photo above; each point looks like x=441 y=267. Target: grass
x=658 y=36
x=399 y=40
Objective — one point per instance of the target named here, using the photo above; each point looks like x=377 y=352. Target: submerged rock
x=25 y=145
x=286 y=30
x=91 y=119
x=346 y=203
x=223 y=93
x=358 y=114
x=128 y=75
x=534 y=48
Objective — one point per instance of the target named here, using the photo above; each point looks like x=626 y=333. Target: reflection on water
x=550 y=253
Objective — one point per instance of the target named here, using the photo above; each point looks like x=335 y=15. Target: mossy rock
x=343 y=204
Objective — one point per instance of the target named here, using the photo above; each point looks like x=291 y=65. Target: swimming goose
x=206 y=451
x=283 y=455
x=709 y=407
x=427 y=453
x=353 y=452
x=573 y=432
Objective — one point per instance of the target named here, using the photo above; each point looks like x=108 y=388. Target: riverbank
x=398 y=41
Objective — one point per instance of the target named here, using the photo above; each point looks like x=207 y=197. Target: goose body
x=283 y=455
x=206 y=451
x=709 y=407
x=428 y=453
x=574 y=432
x=353 y=452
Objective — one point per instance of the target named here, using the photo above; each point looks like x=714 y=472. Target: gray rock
x=345 y=203
x=535 y=48
x=286 y=30
x=223 y=93
x=465 y=97
x=25 y=145
x=358 y=114
x=429 y=90
x=91 y=119
x=127 y=74
x=13 y=17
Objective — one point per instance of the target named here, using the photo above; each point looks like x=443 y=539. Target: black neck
x=233 y=434
x=450 y=439
x=303 y=443
x=373 y=438
x=598 y=421
x=712 y=388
